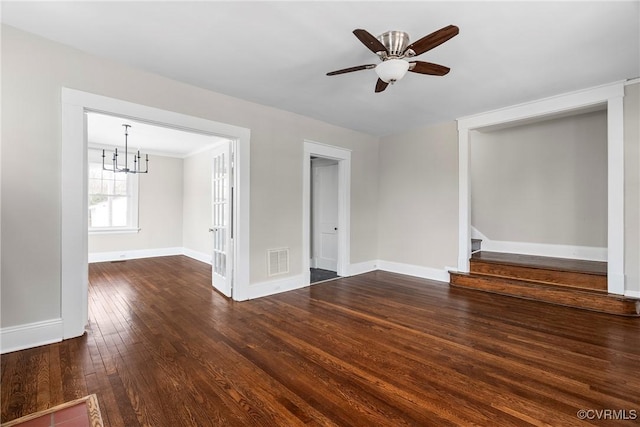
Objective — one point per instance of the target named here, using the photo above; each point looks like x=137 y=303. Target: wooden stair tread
x=550 y=293
x=540 y=285
x=542 y=262
x=574 y=279
x=534 y=282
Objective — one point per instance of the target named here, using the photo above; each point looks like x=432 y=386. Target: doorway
x=202 y=210
x=74 y=237
x=612 y=95
x=326 y=244
x=324 y=219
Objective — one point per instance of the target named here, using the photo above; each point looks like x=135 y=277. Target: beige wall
x=31 y=129
x=276 y=203
x=159 y=211
x=418 y=208
x=197 y=203
x=632 y=187
x=543 y=182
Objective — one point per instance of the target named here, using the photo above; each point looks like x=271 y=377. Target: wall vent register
x=278 y=261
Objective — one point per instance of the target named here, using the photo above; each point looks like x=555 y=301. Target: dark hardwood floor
x=379 y=349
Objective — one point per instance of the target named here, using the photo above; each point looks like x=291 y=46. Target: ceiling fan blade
x=433 y=40
x=372 y=43
x=428 y=68
x=351 y=69
x=381 y=85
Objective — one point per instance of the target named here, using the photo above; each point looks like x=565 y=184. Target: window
x=113 y=198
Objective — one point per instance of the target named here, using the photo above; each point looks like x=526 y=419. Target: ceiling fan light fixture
x=392 y=70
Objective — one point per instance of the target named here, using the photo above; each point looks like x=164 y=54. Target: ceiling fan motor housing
x=396 y=43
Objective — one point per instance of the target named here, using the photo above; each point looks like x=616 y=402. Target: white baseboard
x=271 y=287
x=148 y=253
x=400 y=268
x=133 y=254
x=632 y=294
x=31 y=335
x=200 y=256
x=362 y=267
x=414 y=270
x=543 y=249
x=477 y=234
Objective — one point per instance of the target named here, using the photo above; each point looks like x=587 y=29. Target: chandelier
x=116 y=167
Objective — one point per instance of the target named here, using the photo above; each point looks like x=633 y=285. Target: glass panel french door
x=221 y=186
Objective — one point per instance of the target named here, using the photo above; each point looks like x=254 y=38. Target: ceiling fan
x=393 y=48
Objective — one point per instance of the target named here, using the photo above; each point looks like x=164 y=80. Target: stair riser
x=566 y=297
x=541 y=275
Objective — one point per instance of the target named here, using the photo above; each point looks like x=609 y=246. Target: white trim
x=632 y=294
x=148 y=253
x=30 y=335
x=544 y=249
x=477 y=234
x=545 y=107
x=241 y=212
x=74 y=271
x=74 y=236
x=615 y=193
x=362 y=267
x=611 y=94
x=276 y=286
x=152 y=152
x=343 y=156
x=199 y=150
x=414 y=270
x=464 y=200
x=271 y=287
x=134 y=254
x=198 y=256
x=591 y=253
x=97 y=231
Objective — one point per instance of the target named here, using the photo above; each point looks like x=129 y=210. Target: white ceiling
x=277 y=53
x=106 y=131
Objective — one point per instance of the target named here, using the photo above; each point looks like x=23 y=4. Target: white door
x=221 y=209
x=325 y=214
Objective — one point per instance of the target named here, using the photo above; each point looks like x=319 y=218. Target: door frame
x=74 y=267
x=343 y=156
x=612 y=96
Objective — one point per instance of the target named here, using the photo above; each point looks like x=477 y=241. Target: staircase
x=574 y=283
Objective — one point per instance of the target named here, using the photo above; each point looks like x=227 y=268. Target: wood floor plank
x=43 y=375
x=165 y=349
